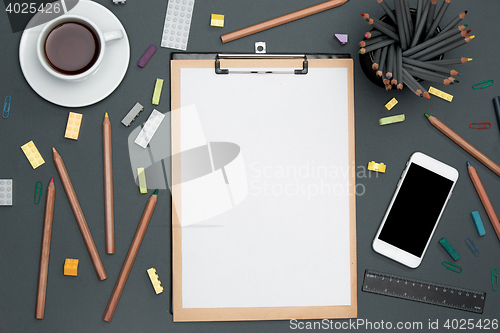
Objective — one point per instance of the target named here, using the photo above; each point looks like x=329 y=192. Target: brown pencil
x=481 y=192
x=44 y=255
x=80 y=218
x=281 y=20
x=108 y=185
x=129 y=260
x=464 y=144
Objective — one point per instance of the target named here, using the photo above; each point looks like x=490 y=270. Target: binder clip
x=483 y=84
x=38 y=192
x=451 y=267
x=484 y=125
x=6 y=107
x=494 y=279
x=472 y=247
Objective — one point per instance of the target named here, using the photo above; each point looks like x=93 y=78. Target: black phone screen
x=416 y=210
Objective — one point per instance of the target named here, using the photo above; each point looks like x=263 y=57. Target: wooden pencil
x=387 y=10
x=108 y=185
x=281 y=20
x=422 y=74
x=376 y=59
x=44 y=255
x=372 y=41
x=400 y=24
x=374 y=33
x=411 y=83
x=389 y=31
x=129 y=260
x=446 y=48
x=80 y=218
x=421 y=25
x=446 y=62
x=437 y=46
x=391 y=55
x=399 y=68
x=464 y=144
x=454 y=22
x=383 y=59
x=485 y=200
x=432 y=67
x=409 y=20
x=430 y=16
x=419 y=12
x=375 y=46
x=438 y=19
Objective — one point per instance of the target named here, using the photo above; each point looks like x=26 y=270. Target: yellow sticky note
x=142 y=180
x=217 y=20
x=32 y=154
x=73 y=125
x=391 y=120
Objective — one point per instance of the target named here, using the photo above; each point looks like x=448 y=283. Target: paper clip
x=6 y=107
x=451 y=267
x=38 y=192
x=483 y=84
x=472 y=247
x=494 y=279
x=480 y=125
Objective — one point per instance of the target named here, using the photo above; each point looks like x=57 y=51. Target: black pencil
x=399 y=70
x=387 y=10
x=439 y=45
x=432 y=67
x=411 y=83
x=409 y=20
x=376 y=59
x=435 y=40
x=421 y=25
x=390 y=61
x=454 y=22
x=430 y=16
x=419 y=12
x=372 y=41
x=446 y=48
x=427 y=77
x=446 y=62
x=375 y=46
x=383 y=58
x=400 y=22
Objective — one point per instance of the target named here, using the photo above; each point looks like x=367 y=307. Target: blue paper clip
x=451 y=267
x=472 y=247
x=480 y=125
x=483 y=84
x=494 y=279
x=6 y=107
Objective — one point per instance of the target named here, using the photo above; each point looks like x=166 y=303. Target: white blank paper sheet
x=285 y=240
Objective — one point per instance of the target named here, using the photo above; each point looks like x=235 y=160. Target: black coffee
x=71 y=48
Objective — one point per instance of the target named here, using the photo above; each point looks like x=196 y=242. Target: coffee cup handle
x=115 y=34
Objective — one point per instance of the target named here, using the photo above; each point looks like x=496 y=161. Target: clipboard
x=278 y=131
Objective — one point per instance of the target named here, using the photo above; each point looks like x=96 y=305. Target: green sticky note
x=142 y=180
x=391 y=120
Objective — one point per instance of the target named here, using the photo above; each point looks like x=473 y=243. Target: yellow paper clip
x=451 y=267
x=6 y=107
x=494 y=279
x=484 y=125
x=483 y=84
x=472 y=247
x=38 y=192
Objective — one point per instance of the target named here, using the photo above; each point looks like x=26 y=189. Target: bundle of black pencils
x=407 y=45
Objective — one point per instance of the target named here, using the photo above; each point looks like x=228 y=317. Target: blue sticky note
x=478 y=223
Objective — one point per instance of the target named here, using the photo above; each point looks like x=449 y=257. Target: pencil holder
x=366 y=60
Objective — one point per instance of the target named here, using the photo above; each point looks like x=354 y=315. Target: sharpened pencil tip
x=468 y=164
x=54 y=150
x=106 y=115
x=466 y=25
x=427 y=115
x=51 y=180
x=155 y=192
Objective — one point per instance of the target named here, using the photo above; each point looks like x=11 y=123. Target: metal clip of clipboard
x=303 y=70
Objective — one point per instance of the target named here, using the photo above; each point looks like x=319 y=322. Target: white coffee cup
x=102 y=38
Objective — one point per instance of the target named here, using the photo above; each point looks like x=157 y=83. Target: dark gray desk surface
x=77 y=304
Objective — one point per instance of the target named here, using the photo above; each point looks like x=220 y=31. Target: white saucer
x=96 y=87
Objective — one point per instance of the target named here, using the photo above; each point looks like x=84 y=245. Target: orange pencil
x=44 y=255
x=484 y=199
x=108 y=185
x=129 y=260
x=80 y=218
x=464 y=144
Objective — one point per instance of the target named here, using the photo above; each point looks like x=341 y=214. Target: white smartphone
x=421 y=195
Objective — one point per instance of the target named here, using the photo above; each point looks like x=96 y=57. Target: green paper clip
x=483 y=84
x=447 y=246
x=451 y=267
x=494 y=279
x=472 y=247
x=38 y=192
x=6 y=107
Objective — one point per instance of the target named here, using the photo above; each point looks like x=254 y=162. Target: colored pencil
x=411 y=83
x=430 y=16
x=437 y=46
x=108 y=185
x=446 y=62
x=399 y=68
x=409 y=20
x=376 y=59
x=281 y=20
x=435 y=40
x=383 y=59
x=44 y=255
x=129 y=260
x=427 y=76
x=464 y=144
x=438 y=19
x=374 y=33
x=391 y=58
x=421 y=25
x=80 y=218
x=432 y=67
x=380 y=26
x=419 y=12
x=400 y=24
x=375 y=46
x=454 y=22
x=372 y=41
x=481 y=192
x=446 y=48
x=387 y=10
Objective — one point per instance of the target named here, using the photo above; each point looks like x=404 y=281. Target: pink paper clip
x=480 y=125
